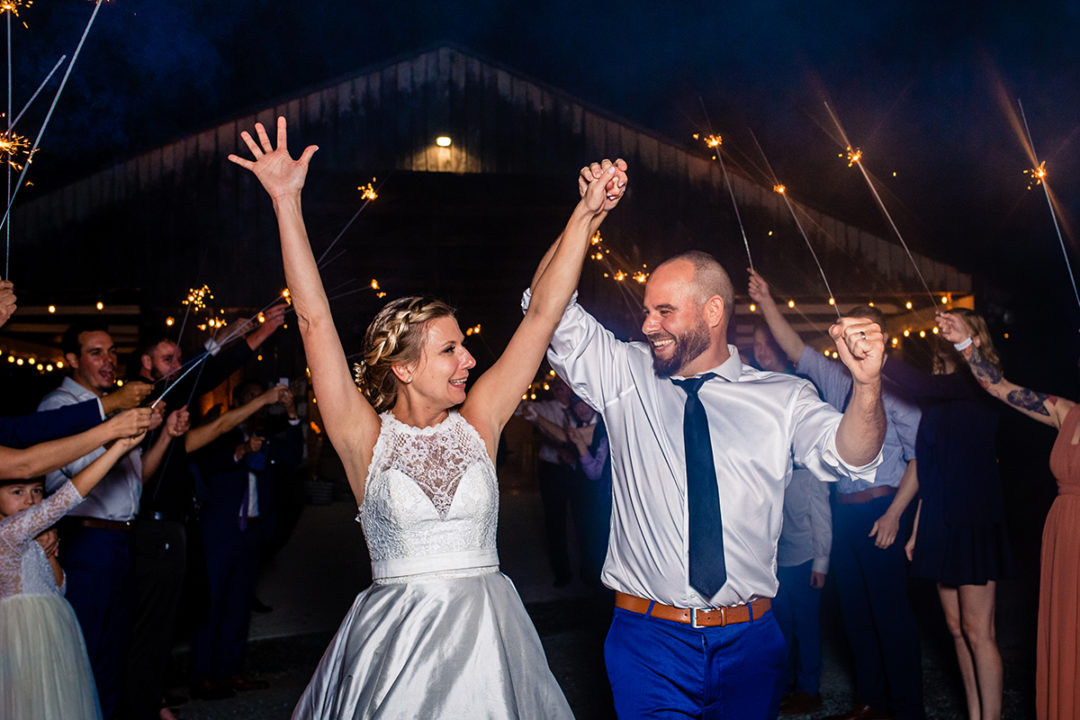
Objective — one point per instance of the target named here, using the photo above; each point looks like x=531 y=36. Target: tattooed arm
x=1047 y=409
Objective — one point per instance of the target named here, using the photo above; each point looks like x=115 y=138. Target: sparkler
x=44 y=125
x=781 y=190
x=369 y=192
x=1038 y=177
x=854 y=157
x=36 y=92
x=714 y=142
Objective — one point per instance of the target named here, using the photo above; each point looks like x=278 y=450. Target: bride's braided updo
x=394 y=337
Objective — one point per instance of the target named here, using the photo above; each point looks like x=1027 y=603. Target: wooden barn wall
x=182 y=210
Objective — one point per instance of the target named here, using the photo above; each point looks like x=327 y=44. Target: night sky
x=923 y=88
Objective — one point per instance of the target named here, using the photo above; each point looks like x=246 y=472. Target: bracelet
x=963 y=345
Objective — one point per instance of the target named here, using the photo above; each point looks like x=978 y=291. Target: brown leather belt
x=865 y=495
x=99 y=524
x=712 y=617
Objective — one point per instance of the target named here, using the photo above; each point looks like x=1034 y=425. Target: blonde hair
x=979 y=330
x=394 y=337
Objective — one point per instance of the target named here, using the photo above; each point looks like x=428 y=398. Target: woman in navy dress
x=959 y=539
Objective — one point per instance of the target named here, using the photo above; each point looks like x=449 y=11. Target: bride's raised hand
x=279 y=174
x=602 y=184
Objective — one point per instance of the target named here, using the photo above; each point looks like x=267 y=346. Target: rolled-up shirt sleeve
x=814 y=444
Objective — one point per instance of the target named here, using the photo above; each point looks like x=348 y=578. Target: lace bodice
x=431 y=501
x=24 y=569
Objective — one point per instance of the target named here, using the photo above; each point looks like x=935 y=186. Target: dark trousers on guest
x=232 y=566
x=556 y=488
x=97 y=563
x=797 y=609
x=664 y=669
x=872 y=585
x=160 y=563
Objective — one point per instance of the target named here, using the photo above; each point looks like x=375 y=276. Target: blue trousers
x=797 y=608
x=232 y=565
x=880 y=625
x=98 y=566
x=663 y=669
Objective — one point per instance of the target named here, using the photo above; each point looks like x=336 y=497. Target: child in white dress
x=44 y=669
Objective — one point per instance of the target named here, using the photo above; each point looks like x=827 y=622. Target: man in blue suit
x=236 y=493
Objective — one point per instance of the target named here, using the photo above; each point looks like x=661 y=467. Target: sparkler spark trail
x=45 y=124
x=854 y=157
x=369 y=193
x=781 y=190
x=1038 y=174
x=714 y=142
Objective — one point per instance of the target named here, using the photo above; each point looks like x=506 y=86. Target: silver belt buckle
x=693 y=619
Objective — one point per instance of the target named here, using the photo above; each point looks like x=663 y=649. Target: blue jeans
x=797 y=609
x=664 y=669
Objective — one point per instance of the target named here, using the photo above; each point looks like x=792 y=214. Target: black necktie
x=707 y=570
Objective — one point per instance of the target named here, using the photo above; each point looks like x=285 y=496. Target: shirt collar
x=729 y=370
x=73 y=388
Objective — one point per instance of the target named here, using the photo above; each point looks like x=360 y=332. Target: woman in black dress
x=961 y=539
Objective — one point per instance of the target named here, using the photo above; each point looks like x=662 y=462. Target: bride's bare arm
x=351 y=422
x=498 y=391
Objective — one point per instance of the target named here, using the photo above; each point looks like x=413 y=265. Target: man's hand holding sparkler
x=861 y=345
x=275 y=318
x=129 y=396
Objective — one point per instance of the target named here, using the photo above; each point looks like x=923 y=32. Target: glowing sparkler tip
x=779 y=189
x=1037 y=175
x=368 y=191
x=713 y=141
x=854 y=155
x=596 y=239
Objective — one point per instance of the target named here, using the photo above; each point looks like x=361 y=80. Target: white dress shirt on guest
x=117 y=496
x=758 y=421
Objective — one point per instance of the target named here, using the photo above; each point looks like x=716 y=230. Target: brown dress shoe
x=799 y=703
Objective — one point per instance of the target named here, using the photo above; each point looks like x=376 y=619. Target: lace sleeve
x=25 y=525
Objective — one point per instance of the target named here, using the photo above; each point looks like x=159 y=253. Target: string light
x=52 y=309
x=753 y=307
x=908 y=304
x=791 y=303
x=170 y=321
x=100 y=305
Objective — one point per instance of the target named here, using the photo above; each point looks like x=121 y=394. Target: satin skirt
x=44 y=671
x=435 y=648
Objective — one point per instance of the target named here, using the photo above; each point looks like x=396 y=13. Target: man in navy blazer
x=236 y=491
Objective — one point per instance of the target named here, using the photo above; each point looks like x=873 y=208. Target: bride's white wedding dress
x=441 y=633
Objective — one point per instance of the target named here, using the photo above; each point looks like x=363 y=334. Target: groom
x=702 y=449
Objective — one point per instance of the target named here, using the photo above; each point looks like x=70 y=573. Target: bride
x=441 y=633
